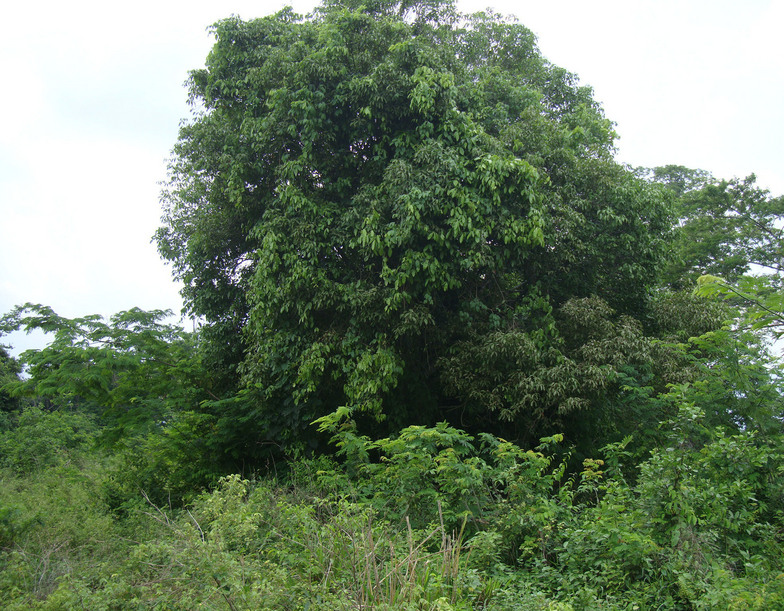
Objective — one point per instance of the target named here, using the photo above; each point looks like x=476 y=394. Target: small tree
x=132 y=372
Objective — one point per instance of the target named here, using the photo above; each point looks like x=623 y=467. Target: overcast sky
x=93 y=94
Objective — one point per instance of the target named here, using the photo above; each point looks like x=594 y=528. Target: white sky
x=92 y=96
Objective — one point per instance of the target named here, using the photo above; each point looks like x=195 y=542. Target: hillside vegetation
x=450 y=355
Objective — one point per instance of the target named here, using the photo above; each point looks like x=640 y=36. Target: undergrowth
x=432 y=519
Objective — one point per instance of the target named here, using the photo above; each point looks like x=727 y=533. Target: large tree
x=376 y=202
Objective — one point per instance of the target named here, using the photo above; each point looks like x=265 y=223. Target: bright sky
x=93 y=96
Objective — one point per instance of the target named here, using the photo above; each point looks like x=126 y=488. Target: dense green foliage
x=453 y=356
x=382 y=196
x=9 y=372
x=438 y=520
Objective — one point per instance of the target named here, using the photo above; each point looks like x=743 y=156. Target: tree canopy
x=133 y=371
x=376 y=198
x=726 y=228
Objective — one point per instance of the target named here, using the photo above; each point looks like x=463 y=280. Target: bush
x=41 y=439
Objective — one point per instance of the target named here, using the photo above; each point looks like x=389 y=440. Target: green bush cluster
x=430 y=519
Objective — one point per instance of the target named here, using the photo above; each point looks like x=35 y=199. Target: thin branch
x=777 y=315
